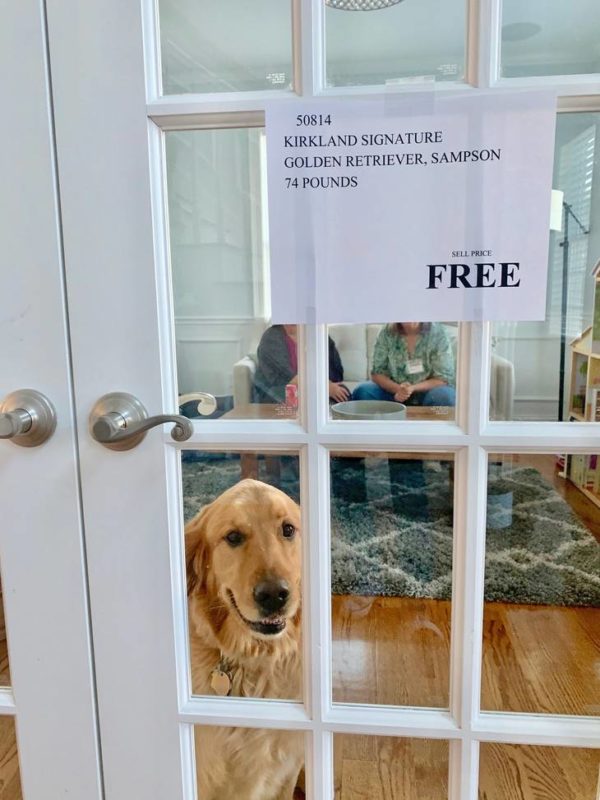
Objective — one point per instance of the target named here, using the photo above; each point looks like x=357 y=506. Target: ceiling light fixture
x=361 y=5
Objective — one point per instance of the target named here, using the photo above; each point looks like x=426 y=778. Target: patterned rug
x=399 y=543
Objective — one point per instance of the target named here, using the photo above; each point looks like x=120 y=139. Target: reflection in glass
x=10 y=779
x=386 y=767
x=243 y=557
x=399 y=370
x=244 y=763
x=391 y=568
x=542 y=585
x=535 y=352
x=548 y=773
x=225 y=45
x=219 y=261
x=390 y=45
x=540 y=38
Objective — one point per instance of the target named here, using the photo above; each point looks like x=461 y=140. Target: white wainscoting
x=536 y=360
x=207 y=349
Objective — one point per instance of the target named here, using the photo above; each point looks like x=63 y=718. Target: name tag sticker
x=414 y=366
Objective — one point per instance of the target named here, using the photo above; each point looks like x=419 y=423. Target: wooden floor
x=10 y=783
x=535 y=658
x=396 y=651
x=383 y=768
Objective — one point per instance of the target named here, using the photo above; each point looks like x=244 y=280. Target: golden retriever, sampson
x=243 y=560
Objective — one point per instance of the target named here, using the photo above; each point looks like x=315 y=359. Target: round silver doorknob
x=27 y=418
x=119 y=421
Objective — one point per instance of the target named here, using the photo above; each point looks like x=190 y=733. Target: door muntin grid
x=471 y=440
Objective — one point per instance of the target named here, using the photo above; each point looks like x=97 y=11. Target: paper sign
x=410 y=207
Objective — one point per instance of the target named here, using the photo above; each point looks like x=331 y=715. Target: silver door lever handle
x=119 y=421
x=27 y=418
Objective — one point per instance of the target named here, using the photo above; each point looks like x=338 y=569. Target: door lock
x=27 y=418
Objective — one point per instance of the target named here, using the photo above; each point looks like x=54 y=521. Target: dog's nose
x=271 y=595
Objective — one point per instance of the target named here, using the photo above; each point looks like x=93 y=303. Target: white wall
x=217 y=252
x=534 y=348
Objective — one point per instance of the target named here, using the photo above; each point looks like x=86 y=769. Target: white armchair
x=355 y=345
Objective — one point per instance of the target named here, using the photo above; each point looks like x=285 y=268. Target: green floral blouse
x=433 y=348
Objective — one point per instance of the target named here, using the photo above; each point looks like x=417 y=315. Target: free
x=481 y=275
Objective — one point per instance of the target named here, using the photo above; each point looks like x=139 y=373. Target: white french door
x=134 y=159
x=47 y=694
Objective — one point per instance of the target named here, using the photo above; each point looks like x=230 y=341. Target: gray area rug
x=399 y=543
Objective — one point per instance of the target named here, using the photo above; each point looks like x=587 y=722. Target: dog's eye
x=288 y=530
x=235 y=538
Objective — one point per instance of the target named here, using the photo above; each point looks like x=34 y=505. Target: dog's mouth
x=269 y=626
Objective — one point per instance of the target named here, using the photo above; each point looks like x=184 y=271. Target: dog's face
x=243 y=552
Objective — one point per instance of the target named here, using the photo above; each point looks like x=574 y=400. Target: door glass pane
x=248 y=763
x=541 y=630
x=225 y=45
x=219 y=262
x=243 y=559
x=390 y=41
x=399 y=370
x=10 y=780
x=386 y=767
x=548 y=773
x=4 y=665
x=557 y=38
x=391 y=568
x=533 y=360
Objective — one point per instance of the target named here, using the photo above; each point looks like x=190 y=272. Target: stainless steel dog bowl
x=368 y=409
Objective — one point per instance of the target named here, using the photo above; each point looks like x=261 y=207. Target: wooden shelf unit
x=583 y=471
x=584 y=386
x=584 y=406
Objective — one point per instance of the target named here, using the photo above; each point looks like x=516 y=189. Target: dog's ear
x=196 y=551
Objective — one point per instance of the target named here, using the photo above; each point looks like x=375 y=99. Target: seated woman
x=412 y=364
x=278 y=366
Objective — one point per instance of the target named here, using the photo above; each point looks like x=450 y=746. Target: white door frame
x=110 y=126
x=42 y=553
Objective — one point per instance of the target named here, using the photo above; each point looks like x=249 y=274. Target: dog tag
x=220 y=682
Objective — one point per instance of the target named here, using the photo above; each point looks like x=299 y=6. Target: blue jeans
x=438 y=396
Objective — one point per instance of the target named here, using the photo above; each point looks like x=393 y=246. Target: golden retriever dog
x=243 y=560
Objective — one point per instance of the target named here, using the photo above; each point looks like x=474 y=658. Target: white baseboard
x=536 y=409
